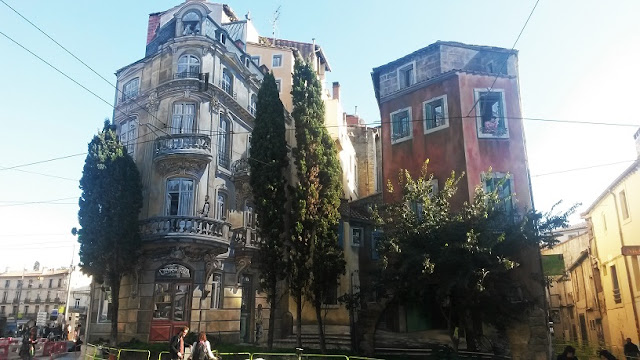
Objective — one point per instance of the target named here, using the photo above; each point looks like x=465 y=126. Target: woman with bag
x=201 y=349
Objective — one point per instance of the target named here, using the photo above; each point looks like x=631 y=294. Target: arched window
x=183 y=119
x=130 y=89
x=227 y=82
x=128 y=134
x=191 y=23
x=188 y=67
x=253 y=104
x=224 y=143
x=180 y=197
x=221 y=205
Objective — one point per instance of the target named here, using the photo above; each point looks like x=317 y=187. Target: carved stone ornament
x=214 y=104
x=152 y=102
x=135 y=278
x=187 y=93
x=181 y=166
x=211 y=264
x=242 y=263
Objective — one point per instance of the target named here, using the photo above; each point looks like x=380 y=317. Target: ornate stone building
x=185 y=113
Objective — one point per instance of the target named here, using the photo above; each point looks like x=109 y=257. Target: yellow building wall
x=283 y=73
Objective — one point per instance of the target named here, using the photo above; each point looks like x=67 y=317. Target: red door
x=171 y=310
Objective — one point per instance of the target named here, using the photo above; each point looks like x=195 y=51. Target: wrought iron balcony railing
x=172 y=226
x=183 y=143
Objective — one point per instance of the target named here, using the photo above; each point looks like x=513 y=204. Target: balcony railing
x=187 y=75
x=226 y=87
x=181 y=226
x=223 y=160
x=183 y=143
x=246 y=238
x=616 y=296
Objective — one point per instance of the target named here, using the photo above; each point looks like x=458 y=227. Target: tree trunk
x=323 y=345
x=273 y=303
x=115 y=298
x=299 y=320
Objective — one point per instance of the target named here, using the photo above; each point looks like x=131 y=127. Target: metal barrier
x=130 y=354
x=162 y=353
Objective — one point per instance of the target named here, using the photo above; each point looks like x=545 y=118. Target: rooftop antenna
x=274 y=24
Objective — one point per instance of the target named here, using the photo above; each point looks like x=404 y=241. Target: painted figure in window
x=491 y=113
x=205 y=207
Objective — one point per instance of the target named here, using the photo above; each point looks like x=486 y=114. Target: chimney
x=154 y=24
x=336 y=90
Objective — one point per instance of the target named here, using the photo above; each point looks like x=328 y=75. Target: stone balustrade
x=183 y=143
x=245 y=238
x=202 y=228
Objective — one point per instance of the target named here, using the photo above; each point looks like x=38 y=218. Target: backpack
x=199 y=353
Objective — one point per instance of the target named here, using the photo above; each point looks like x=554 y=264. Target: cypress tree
x=268 y=162
x=109 y=206
x=318 y=260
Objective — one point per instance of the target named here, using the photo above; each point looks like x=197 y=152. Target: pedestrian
x=606 y=355
x=176 y=345
x=568 y=353
x=201 y=349
x=29 y=340
x=631 y=350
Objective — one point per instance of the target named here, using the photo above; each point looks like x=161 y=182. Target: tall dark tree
x=318 y=260
x=461 y=261
x=268 y=163
x=109 y=206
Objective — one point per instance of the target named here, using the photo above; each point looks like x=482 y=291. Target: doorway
x=171 y=301
x=246 y=309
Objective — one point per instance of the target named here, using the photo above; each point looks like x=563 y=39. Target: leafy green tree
x=318 y=261
x=109 y=206
x=462 y=259
x=268 y=163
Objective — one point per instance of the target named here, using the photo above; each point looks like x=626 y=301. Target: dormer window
x=191 y=23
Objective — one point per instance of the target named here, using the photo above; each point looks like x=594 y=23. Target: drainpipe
x=626 y=265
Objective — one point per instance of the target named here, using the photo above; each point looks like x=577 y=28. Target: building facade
x=24 y=294
x=185 y=113
x=458 y=106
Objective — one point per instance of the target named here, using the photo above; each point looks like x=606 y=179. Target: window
x=249 y=216
x=129 y=134
x=26 y=309
x=491 y=119
x=376 y=238
x=279 y=84
x=14 y=310
x=50 y=283
x=221 y=206
x=256 y=60
x=46 y=309
x=224 y=142
x=216 y=292
x=183 y=119
x=2 y=310
x=616 y=287
x=636 y=271
x=7 y=283
x=400 y=125
x=356 y=236
x=59 y=282
x=105 y=306
x=180 y=197
x=435 y=114
x=30 y=284
x=4 y=297
x=249 y=145
x=76 y=303
x=331 y=296
x=223 y=38
x=277 y=61
x=503 y=184
x=130 y=89
x=19 y=284
x=191 y=23
x=37 y=310
x=171 y=301
x=48 y=296
x=188 y=67
x=253 y=104
x=406 y=76
x=623 y=205
x=227 y=82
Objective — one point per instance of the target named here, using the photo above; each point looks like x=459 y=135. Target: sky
x=577 y=62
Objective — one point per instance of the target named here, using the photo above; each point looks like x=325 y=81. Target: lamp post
x=66 y=306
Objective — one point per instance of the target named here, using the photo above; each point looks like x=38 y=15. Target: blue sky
x=577 y=62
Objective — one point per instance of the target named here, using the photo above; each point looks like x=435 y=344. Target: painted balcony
x=198 y=230
x=245 y=240
x=191 y=151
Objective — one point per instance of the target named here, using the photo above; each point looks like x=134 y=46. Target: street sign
x=41 y=320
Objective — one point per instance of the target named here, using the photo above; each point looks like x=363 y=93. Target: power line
x=39 y=173
x=42 y=161
x=507 y=59
x=584 y=168
x=40 y=202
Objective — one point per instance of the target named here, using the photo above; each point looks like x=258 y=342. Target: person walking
x=201 y=349
x=631 y=350
x=176 y=345
x=29 y=341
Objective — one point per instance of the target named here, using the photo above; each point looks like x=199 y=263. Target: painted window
x=183 y=119
x=216 y=291
x=357 y=233
x=400 y=125
x=279 y=84
x=188 y=67
x=491 y=119
x=406 y=76
x=276 y=61
x=180 y=197
x=504 y=185
x=224 y=143
x=130 y=89
x=227 y=82
x=616 y=286
x=129 y=134
x=435 y=114
x=221 y=206
x=256 y=60
x=191 y=23
x=253 y=104
x=624 y=208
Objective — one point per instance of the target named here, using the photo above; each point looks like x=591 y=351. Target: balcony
x=228 y=89
x=38 y=301
x=188 y=152
x=57 y=300
x=245 y=239
x=200 y=230
x=187 y=75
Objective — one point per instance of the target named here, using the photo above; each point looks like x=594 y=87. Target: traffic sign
x=41 y=320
